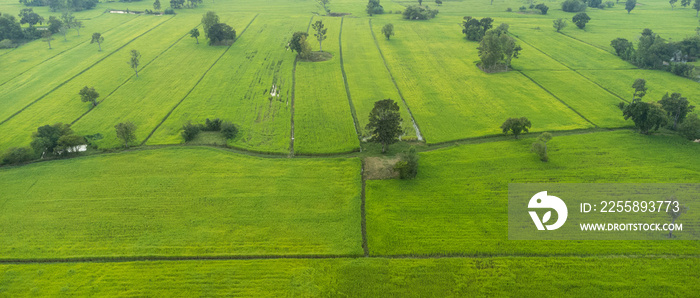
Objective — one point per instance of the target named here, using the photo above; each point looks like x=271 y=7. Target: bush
x=17 y=155
x=573 y=6
x=595 y=3
x=190 y=131
x=212 y=125
x=690 y=128
x=169 y=11
x=509 y=9
x=408 y=165
x=6 y=44
x=416 y=12
x=373 y=7
x=228 y=130
x=609 y=4
x=682 y=69
x=523 y=8
x=543 y=8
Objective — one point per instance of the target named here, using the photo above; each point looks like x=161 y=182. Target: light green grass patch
x=458 y=203
x=323 y=122
x=180 y=202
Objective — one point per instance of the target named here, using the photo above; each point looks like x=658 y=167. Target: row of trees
x=672 y=111
x=227 y=129
x=655 y=52
x=56 y=5
x=417 y=12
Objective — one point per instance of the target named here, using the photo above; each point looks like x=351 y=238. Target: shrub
x=190 y=131
x=573 y=6
x=682 y=69
x=17 y=155
x=509 y=9
x=373 y=7
x=609 y=4
x=169 y=11
x=212 y=125
x=6 y=44
x=595 y=3
x=229 y=130
x=531 y=6
x=690 y=128
x=523 y=8
x=408 y=165
x=415 y=12
x=543 y=8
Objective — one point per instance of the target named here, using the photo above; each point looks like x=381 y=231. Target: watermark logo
x=542 y=200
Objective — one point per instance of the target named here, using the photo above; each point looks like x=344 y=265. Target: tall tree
x=195 y=33
x=156 y=5
x=559 y=24
x=208 y=20
x=320 y=33
x=677 y=108
x=47 y=37
x=630 y=5
x=388 y=31
x=89 y=95
x=385 y=123
x=97 y=38
x=134 y=61
x=298 y=43
x=640 y=89
x=516 y=126
x=126 y=132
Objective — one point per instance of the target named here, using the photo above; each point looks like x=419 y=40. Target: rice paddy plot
x=593 y=102
x=323 y=121
x=148 y=99
x=64 y=104
x=458 y=203
x=368 y=79
x=250 y=86
x=180 y=202
x=451 y=98
x=40 y=80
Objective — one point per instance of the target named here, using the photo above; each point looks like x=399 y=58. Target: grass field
x=458 y=202
x=180 y=201
x=254 y=65
x=573 y=277
x=323 y=121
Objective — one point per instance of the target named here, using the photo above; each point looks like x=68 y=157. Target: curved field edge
x=364 y=277
x=458 y=203
x=180 y=201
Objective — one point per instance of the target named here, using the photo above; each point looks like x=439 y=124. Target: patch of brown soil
x=380 y=168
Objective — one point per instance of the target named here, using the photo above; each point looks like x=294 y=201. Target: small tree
x=630 y=5
x=438 y=2
x=78 y=25
x=516 y=126
x=674 y=212
x=156 y=5
x=68 y=19
x=580 y=19
x=640 y=89
x=385 y=123
x=208 y=20
x=540 y=146
x=134 y=61
x=685 y=3
x=677 y=108
x=190 y=131
x=373 y=7
x=407 y=166
x=559 y=24
x=89 y=95
x=690 y=128
x=673 y=3
x=297 y=42
x=420 y=2
x=97 y=38
x=195 y=33
x=388 y=31
x=63 y=30
x=229 y=130
x=126 y=132
x=47 y=37
x=543 y=8
x=320 y=33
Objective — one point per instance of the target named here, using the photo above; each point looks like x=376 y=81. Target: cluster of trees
x=476 y=29
x=373 y=7
x=227 y=129
x=541 y=7
x=672 y=111
x=581 y=5
x=684 y=3
x=656 y=53
x=497 y=49
x=12 y=33
x=417 y=12
x=56 y=5
x=217 y=33
x=182 y=3
x=48 y=140
x=299 y=44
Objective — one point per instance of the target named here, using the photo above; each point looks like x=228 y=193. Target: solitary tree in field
x=156 y=5
x=516 y=126
x=208 y=20
x=675 y=212
x=89 y=95
x=581 y=19
x=673 y=3
x=677 y=108
x=195 y=33
x=78 y=25
x=126 y=132
x=97 y=38
x=48 y=37
x=540 y=146
x=630 y=5
x=388 y=31
x=385 y=123
x=559 y=24
x=320 y=33
x=134 y=61
x=640 y=89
